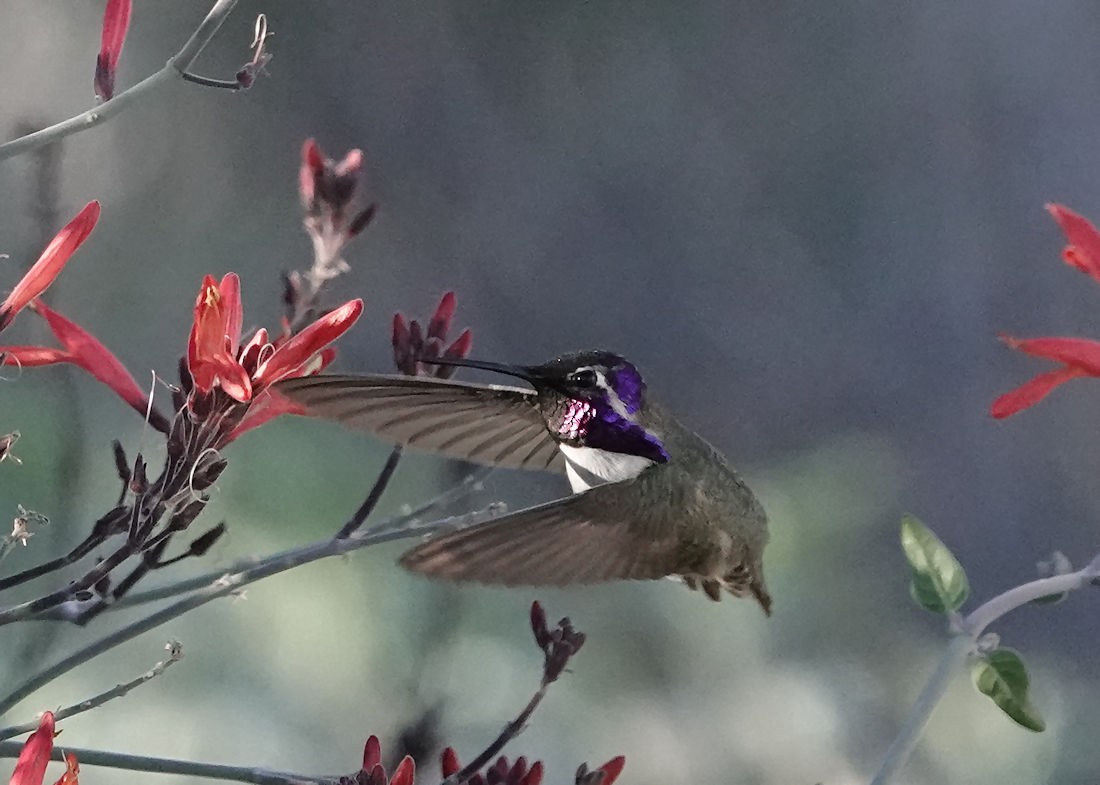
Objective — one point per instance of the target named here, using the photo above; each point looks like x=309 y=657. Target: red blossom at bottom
x=30 y=769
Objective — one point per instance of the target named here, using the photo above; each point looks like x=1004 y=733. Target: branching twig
x=409 y=519
x=212 y=771
x=173 y=69
x=963 y=642
x=175 y=654
x=226 y=584
x=558 y=647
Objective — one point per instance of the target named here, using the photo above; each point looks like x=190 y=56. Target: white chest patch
x=588 y=466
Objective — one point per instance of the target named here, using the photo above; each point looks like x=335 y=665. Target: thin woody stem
x=226 y=584
x=212 y=771
x=468 y=485
x=173 y=69
x=119 y=690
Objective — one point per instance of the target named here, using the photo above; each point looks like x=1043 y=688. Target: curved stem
x=962 y=643
x=906 y=741
x=105 y=111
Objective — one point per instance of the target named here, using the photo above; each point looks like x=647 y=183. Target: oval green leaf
x=939 y=582
x=1001 y=675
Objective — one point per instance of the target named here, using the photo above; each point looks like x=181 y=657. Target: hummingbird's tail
x=737 y=582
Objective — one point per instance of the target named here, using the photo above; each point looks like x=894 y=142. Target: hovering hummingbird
x=650 y=498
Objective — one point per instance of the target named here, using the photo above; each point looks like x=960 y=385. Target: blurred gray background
x=805 y=222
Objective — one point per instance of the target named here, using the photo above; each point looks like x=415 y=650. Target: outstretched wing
x=590 y=537
x=486 y=424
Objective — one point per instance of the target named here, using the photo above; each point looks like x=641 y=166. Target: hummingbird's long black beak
x=525 y=372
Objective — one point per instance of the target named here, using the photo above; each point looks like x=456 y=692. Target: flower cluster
x=217 y=360
x=1076 y=356
x=225 y=390
x=500 y=772
x=334 y=213
x=413 y=346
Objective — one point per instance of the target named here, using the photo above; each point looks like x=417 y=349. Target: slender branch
x=962 y=643
x=906 y=741
x=987 y=613
x=173 y=69
x=203 y=34
x=213 y=771
x=470 y=484
x=511 y=730
x=175 y=654
x=226 y=584
x=368 y=505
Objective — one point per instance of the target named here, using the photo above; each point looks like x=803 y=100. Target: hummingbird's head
x=593 y=399
x=589 y=399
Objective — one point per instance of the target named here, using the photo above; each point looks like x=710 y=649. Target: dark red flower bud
x=448 y=762
x=116 y=21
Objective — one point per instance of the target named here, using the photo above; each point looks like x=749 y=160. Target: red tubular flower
x=297 y=356
x=80 y=348
x=31 y=767
x=1083 y=251
x=612 y=769
x=49 y=264
x=1078 y=356
x=116 y=22
x=373 y=773
x=215 y=335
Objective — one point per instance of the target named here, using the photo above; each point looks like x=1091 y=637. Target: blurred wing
x=586 y=538
x=487 y=424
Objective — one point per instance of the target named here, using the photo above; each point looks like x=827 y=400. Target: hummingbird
x=651 y=499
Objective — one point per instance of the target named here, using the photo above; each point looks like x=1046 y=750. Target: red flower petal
x=404 y=773
x=49 y=264
x=534 y=776
x=1083 y=251
x=461 y=346
x=612 y=769
x=116 y=21
x=230 y=288
x=72 y=771
x=441 y=320
x=86 y=351
x=1079 y=352
x=265 y=407
x=289 y=358
x=33 y=356
x=372 y=753
x=1032 y=392
x=312 y=168
x=31 y=767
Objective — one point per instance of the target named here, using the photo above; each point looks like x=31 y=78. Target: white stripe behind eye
x=612 y=397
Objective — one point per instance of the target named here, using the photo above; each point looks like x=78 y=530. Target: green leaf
x=939 y=582
x=1001 y=675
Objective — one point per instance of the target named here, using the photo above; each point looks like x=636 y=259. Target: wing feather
x=488 y=424
x=580 y=539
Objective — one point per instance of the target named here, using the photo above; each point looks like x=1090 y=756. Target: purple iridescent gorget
x=594 y=421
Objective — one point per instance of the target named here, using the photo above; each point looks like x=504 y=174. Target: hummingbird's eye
x=585 y=378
